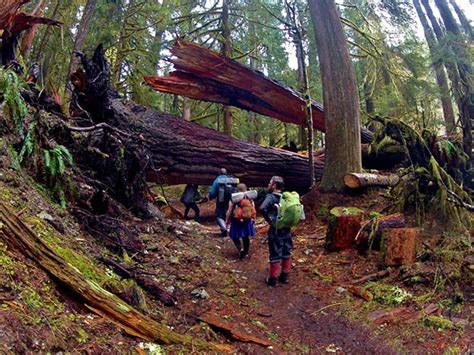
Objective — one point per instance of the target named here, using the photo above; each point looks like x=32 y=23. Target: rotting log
x=185 y=152
x=344 y=224
x=21 y=237
x=399 y=246
x=359 y=180
x=371 y=233
x=145 y=281
x=203 y=74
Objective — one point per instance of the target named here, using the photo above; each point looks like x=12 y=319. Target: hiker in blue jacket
x=280 y=241
x=221 y=201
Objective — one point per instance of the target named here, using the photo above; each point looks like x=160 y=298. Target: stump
x=344 y=224
x=371 y=234
x=399 y=246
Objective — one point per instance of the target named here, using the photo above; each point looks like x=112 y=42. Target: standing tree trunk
x=463 y=60
x=465 y=23
x=254 y=136
x=186 y=109
x=297 y=35
x=439 y=70
x=341 y=103
x=226 y=48
x=82 y=32
x=47 y=33
x=29 y=35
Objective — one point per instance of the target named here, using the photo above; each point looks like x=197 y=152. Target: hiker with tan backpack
x=241 y=217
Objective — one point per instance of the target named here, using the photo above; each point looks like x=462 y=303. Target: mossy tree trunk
x=341 y=102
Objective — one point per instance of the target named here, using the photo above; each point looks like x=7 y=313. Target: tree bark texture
x=19 y=236
x=344 y=223
x=439 y=70
x=341 y=101
x=81 y=35
x=358 y=180
x=399 y=245
x=206 y=75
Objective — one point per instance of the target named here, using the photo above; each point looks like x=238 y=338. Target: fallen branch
x=376 y=275
x=21 y=237
x=228 y=330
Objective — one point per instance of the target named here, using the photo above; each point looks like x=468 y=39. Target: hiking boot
x=242 y=254
x=197 y=219
x=223 y=234
x=271 y=281
x=283 y=278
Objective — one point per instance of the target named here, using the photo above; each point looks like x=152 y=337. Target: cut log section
x=358 y=180
x=399 y=246
x=203 y=74
x=19 y=236
x=344 y=224
x=371 y=233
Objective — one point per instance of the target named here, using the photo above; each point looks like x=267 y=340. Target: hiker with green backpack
x=282 y=211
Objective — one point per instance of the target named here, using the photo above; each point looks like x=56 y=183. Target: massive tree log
x=206 y=75
x=186 y=152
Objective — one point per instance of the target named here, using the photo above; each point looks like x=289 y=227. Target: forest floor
x=316 y=313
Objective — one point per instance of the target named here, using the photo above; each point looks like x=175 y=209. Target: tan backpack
x=244 y=210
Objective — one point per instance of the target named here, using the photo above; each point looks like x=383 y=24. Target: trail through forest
x=312 y=313
x=297 y=315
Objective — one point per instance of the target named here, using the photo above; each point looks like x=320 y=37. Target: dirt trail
x=299 y=317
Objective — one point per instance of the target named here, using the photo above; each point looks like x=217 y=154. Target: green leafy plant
x=13 y=102
x=55 y=162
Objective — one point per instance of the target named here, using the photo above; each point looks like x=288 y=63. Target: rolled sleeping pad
x=239 y=196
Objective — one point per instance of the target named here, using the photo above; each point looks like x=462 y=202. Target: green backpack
x=290 y=210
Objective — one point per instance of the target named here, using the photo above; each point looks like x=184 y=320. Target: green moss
x=345 y=211
x=82 y=336
x=439 y=323
x=389 y=295
x=31 y=299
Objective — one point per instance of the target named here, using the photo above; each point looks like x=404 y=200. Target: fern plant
x=29 y=142
x=14 y=104
x=55 y=162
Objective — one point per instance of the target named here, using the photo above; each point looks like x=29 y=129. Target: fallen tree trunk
x=185 y=152
x=358 y=180
x=19 y=236
x=203 y=74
